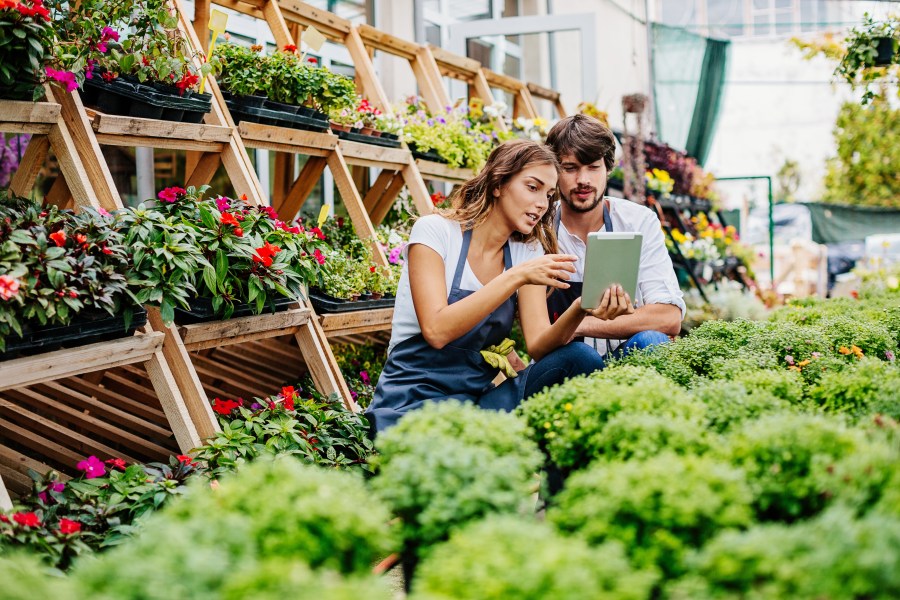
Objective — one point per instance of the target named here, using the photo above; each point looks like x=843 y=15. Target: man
x=586 y=151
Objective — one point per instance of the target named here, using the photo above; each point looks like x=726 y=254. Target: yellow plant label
x=323 y=214
x=313 y=39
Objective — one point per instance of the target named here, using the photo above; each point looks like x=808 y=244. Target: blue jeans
x=640 y=341
x=568 y=361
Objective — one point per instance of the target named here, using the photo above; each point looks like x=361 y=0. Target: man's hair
x=474 y=200
x=585 y=137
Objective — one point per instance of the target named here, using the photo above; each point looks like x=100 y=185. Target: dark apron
x=416 y=373
x=560 y=300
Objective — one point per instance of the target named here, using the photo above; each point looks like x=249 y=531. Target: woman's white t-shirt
x=445 y=237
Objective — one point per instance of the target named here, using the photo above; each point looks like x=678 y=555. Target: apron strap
x=461 y=261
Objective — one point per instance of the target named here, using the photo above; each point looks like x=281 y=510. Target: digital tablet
x=611 y=258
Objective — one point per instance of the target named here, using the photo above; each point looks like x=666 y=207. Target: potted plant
x=25 y=38
x=870 y=49
x=63 y=277
x=241 y=72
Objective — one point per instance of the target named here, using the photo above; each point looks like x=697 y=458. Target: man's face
x=581 y=186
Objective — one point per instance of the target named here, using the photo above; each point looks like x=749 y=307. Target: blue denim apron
x=416 y=373
x=560 y=300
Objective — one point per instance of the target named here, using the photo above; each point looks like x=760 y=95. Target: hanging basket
x=885 y=47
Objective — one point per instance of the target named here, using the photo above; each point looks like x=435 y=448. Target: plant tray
x=202 y=310
x=430 y=155
x=325 y=303
x=368 y=139
x=95 y=327
x=123 y=98
x=265 y=116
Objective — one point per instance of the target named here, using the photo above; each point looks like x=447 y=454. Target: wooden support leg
x=184 y=378
x=5 y=501
x=365 y=70
x=32 y=162
x=201 y=23
x=302 y=188
x=380 y=210
x=240 y=172
x=59 y=194
x=354 y=203
x=377 y=190
x=417 y=188
x=277 y=23
x=321 y=362
x=204 y=169
x=284 y=177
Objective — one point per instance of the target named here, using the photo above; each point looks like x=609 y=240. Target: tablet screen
x=611 y=258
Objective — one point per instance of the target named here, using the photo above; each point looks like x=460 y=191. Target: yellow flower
x=857 y=351
x=568 y=406
x=539 y=122
x=844 y=350
x=803 y=363
x=547 y=425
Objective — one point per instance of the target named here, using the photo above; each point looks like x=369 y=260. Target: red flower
x=318 y=233
x=320 y=258
x=224 y=407
x=118 y=463
x=185 y=460
x=26 y=519
x=238 y=232
x=80 y=238
x=59 y=238
x=188 y=80
x=437 y=198
x=108 y=76
x=228 y=219
x=171 y=194
x=372 y=269
x=312 y=60
x=107 y=251
x=68 y=527
x=290 y=48
x=264 y=255
x=9 y=287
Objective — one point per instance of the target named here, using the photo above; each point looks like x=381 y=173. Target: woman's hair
x=585 y=137
x=474 y=200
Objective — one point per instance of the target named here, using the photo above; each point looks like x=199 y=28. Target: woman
x=466 y=270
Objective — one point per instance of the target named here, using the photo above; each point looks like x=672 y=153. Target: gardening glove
x=496 y=357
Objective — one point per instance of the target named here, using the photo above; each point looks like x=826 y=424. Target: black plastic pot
x=885 y=56
x=120 y=97
x=87 y=328
x=202 y=310
x=290 y=109
x=325 y=303
x=305 y=111
x=248 y=101
x=368 y=139
x=145 y=109
x=430 y=155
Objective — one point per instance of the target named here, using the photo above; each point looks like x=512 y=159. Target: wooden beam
x=32 y=162
x=412 y=175
x=303 y=187
x=116 y=125
x=204 y=169
x=83 y=359
x=387 y=42
x=277 y=24
x=387 y=199
x=365 y=70
x=370 y=155
x=329 y=24
x=282 y=178
x=242 y=329
x=377 y=190
x=429 y=78
x=280 y=139
x=354 y=204
x=201 y=23
x=17 y=111
x=442 y=172
x=461 y=67
x=361 y=321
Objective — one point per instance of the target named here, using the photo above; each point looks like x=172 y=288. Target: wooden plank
x=71 y=166
x=204 y=169
x=17 y=111
x=131 y=141
x=185 y=379
x=329 y=24
x=30 y=166
x=334 y=324
x=50 y=430
x=30 y=128
x=251 y=9
x=531 y=111
x=242 y=329
x=370 y=155
x=36 y=401
x=431 y=86
x=87 y=404
x=250 y=366
x=541 y=92
x=378 y=189
x=322 y=364
x=282 y=178
x=303 y=187
x=15 y=484
x=151 y=128
x=365 y=71
x=76 y=125
x=282 y=139
x=51 y=449
x=560 y=109
x=354 y=205
x=503 y=82
x=277 y=24
x=110 y=396
x=59 y=194
x=442 y=172
x=185 y=425
x=64 y=363
x=483 y=91
x=378 y=212
x=5 y=500
x=20 y=463
x=201 y=23
x=387 y=42
x=463 y=67
x=417 y=188
x=231 y=383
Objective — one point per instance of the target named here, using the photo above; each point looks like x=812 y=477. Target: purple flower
x=108 y=33
x=255 y=406
x=65 y=77
x=364 y=375
x=92 y=467
x=394 y=256
x=430 y=122
x=354 y=395
x=442 y=120
x=889 y=354
x=223 y=203
x=467 y=123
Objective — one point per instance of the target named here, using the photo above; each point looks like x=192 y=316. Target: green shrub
x=781 y=454
x=832 y=556
x=732 y=403
x=862 y=388
x=270 y=510
x=506 y=557
x=659 y=508
x=787 y=339
x=639 y=436
x=278 y=579
x=25 y=577
x=760 y=373
x=437 y=484
x=873 y=338
x=569 y=420
x=864 y=479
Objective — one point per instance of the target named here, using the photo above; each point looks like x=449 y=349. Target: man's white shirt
x=657 y=283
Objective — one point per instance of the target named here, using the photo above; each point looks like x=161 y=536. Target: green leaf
x=221 y=267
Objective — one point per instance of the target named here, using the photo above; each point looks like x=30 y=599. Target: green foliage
x=571 y=421
x=862 y=388
x=241 y=69
x=659 y=508
x=833 y=556
x=269 y=511
x=25 y=39
x=449 y=463
x=857 y=67
x=868 y=156
x=284 y=578
x=24 y=577
x=732 y=403
x=316 y=430
x=781 y=455
x=506 y=557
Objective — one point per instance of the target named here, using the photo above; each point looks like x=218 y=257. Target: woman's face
x=526 y=197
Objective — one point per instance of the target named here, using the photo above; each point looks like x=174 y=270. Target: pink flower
x=171 y=194
x=92 y=467
x=65 y=77
x=320 y=258
x=9 y=287
x=104 y=212
x=889 y=354
x=108 y=33
x=364 y=375
x=223 y=203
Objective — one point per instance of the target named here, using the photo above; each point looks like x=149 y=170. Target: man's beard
x=591 y=205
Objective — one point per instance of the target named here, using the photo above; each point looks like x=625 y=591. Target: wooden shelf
x=356 y=322
x=28 y=117
x=442 y=172
x=83 y=359
x=372 y=155
x=284 y=139
x=115 y=130
x=200 y=336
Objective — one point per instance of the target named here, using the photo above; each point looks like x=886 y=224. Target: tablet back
x=611 y=257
